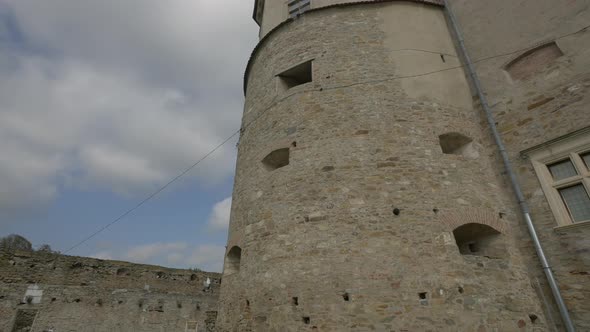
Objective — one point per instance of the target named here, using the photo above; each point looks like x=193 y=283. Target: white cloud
x=103 y=255
x=145 y=253
x=207 y=257
x=175 y=258
x=122 y=106
x=219 y=218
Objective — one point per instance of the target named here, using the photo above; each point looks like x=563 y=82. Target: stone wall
x=275 y=11
x=545 y=99
x=367 y=227
x=64 y=293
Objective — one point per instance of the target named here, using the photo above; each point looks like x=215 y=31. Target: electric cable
x=273 y=103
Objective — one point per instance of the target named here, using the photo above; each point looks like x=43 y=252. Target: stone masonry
x=41 y=293
x=389 y=210
x=550 y=101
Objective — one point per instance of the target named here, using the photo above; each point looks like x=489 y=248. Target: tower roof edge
x=259 y=8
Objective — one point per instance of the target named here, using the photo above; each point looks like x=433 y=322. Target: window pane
x=297 y=7
x=562 y=170
x=586 y=158
x=577 y=201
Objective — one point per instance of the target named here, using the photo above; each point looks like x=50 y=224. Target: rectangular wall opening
x=276 y=159
x=295 y=76
x=24 y=320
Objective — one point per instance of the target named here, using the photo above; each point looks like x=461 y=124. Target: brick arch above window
x=534 y=60
x=452 y=220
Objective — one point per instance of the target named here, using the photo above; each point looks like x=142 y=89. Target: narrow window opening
x=298 y=7
x=457 y=144
x=295 y=301
x=306 y=320
x=247 y=303
x=24 y=320
x=533 y=318
x=276 y=159
x=295 y=76
x=346 y=297
x=122 y=271
x=422 y=295
x=479 y=240
x=232 y=260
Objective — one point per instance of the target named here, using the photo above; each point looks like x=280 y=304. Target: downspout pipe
x=509 y=170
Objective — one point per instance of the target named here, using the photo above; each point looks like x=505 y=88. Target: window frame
x=294 y=7
x=572 y=147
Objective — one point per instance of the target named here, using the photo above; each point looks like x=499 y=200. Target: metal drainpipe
x=508 y=167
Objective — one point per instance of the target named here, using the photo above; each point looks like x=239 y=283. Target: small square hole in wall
x=422 y=295
x=346 y=297
x=295 y=76
x=306 y=320
x=295 y=301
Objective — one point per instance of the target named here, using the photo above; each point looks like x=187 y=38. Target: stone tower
x=366 y=195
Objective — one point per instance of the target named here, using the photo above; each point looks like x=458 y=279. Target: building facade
x=369 y=193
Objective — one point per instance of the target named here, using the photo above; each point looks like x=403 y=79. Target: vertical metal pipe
x=548 y=312
x=508 y=167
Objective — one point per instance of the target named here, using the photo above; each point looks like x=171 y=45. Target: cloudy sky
x=104 y=101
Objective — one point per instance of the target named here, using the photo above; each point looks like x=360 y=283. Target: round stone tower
x=365 y=197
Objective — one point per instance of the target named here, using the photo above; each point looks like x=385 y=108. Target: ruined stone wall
x=356 y=233
x=545 y=97
x=85 y=294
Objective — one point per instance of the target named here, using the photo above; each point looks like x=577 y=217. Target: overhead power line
x=273 y=104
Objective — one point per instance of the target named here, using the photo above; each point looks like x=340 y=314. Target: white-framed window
x=563 y=168
x=298 y=7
